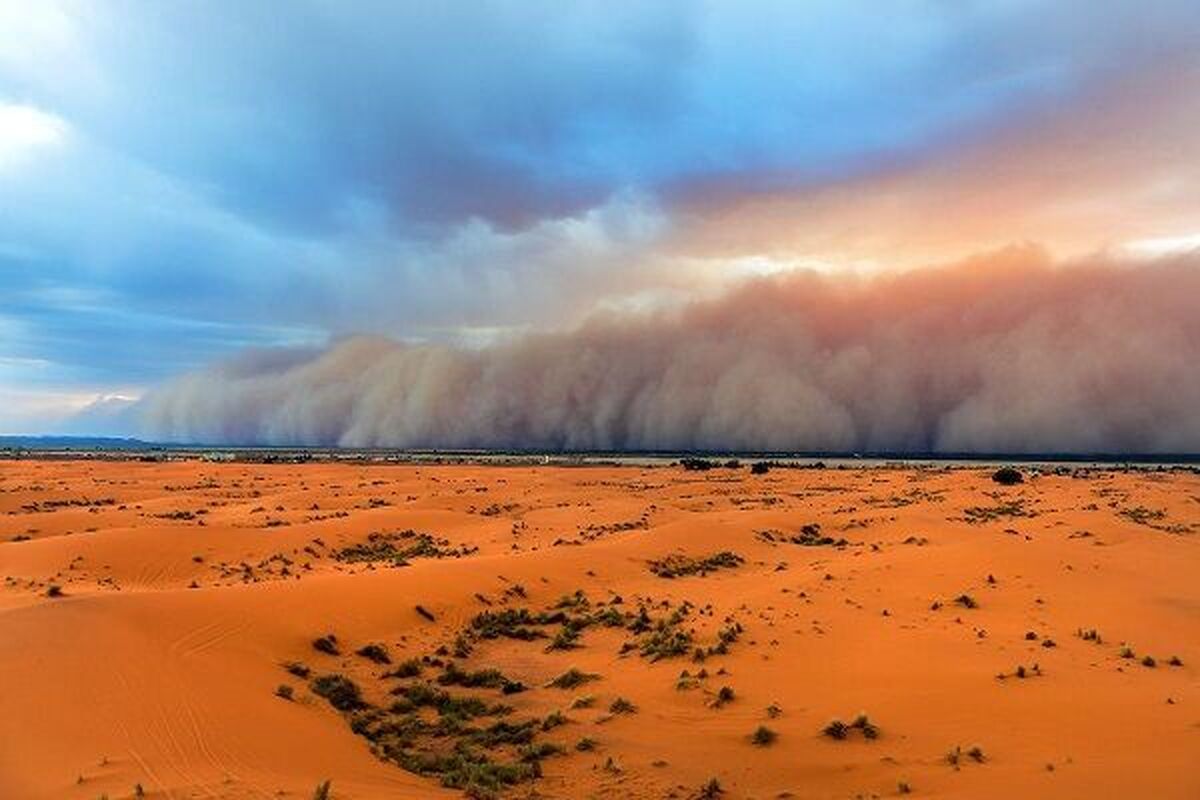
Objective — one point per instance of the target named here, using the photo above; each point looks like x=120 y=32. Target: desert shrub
x=666 y=641
x=760 y=468
x=573 y=678
x=484 y=678
x=374 y=652
x=553 y=720
x=840 y=730
x=323 y=791
x=622 y=706
x=763 y=736
x=297 y=669
x=285 y=691
x=585 y=745
x=341 y=692
x=567 y=638
x=710 y=790
x=511 y=623
x=536 y=751
x=446 y=704
x=836 y=730
x=326 y=644
x=1008 y=476
x=863 y=723
x=966 y=601
x=678 y=566
x=410 y=668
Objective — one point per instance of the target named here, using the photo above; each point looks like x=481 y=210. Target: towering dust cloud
x=1002 y=354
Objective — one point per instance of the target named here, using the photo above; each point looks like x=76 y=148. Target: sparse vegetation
x=398 y=548
x=955 y=757
x=809 y=536
x=679 y=566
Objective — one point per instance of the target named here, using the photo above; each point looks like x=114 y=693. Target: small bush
x=54 y=590
x=297 y=669
x=553 y=720
x=573 y=678
x=407 y=669
x=864 y=724
x=326 y=644
x=1148 y=661
x=374 y=652
x=1008 y=476
x=323 y=791
x=622 y=706
x=285 y=691
x=966 y=601
x=710 y=791
x=763 y=736
x=341 y=692
x=836 y=730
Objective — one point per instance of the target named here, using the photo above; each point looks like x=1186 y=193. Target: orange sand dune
x=148 y=609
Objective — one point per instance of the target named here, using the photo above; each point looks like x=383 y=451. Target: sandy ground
x=147 y=612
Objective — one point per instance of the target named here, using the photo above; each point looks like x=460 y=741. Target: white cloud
x=1164 y=245
x=24 y=130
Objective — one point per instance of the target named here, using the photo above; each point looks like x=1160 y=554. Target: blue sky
x=181 y=181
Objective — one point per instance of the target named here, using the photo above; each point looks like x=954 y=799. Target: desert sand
x=185 y=629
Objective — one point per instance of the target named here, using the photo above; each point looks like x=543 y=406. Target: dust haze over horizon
x=692 y=225
x=1005 y=354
